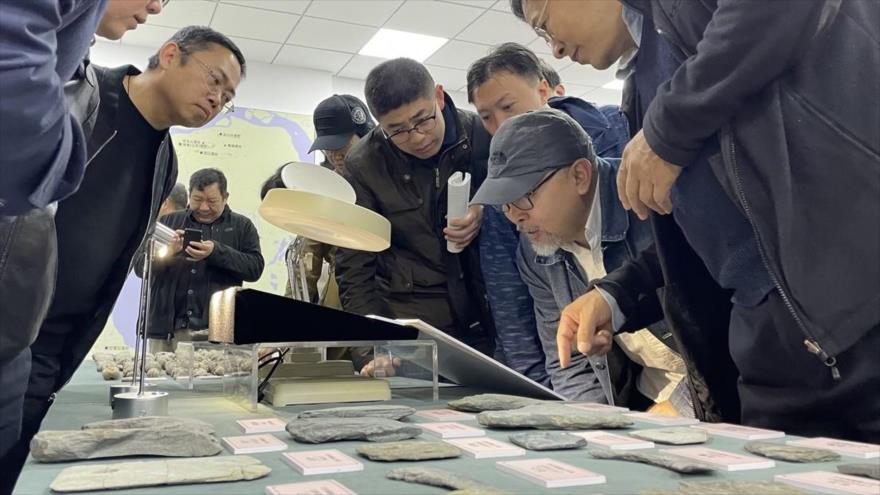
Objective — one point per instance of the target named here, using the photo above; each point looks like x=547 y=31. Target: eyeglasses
x=165 y=2
x=525 y=203
x=214 y=83
x=423 y=126
x=540 y=26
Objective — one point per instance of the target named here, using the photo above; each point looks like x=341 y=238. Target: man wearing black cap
x=546 y=178
x=340 y=122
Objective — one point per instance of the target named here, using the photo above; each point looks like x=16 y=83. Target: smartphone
x=191 y=235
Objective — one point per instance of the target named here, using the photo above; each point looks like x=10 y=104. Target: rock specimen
x=389 y=412
x=551 y=416
x=169 y=437
x=676 y=435
x=319 y=430
x=111 y=372
x=667 y=462
x=156 y=473
x=409 y=451
x=547 y=440
x=436 y=477
x=729 y=487
x=791 y=453
x=491 y=402
x=861 y=469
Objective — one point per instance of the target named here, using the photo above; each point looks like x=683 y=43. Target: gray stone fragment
x=157 y=473
x=389 y=412
x=409 y=451
x=169 y=437
x=791 y=453
x=676 y=435
x=861 y=469
x=435 y=477
x=478 y=491
x=551 y=416
x=548 y=440
x=667 y=462
x=490 y=402
x=729 y=487
x=319 y=430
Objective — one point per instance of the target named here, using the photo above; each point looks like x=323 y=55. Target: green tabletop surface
x=85 y=399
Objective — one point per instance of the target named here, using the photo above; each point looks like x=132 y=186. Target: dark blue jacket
x=42 y=147
x=518 y=344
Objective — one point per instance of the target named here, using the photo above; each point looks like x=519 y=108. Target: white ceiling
x=327 y=34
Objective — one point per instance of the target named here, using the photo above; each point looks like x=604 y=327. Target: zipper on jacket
x=810 y=342
x=101 y=148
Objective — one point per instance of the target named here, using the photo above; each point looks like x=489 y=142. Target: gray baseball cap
x=525 y=148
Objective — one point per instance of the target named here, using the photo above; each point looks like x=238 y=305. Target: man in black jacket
x=400 y=170
x=101 y=227
x=226 y=254
x=748 y=147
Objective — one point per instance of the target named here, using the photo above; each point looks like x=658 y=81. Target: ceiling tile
x=256 y=50
x=576 y=89
x=433 y=18
x=540 y=47
x=457 y=54
x=359 y=66
x=149 y=36
x=502 y=6
x=556 y=63
x=483 y=4
x=233 y=20
x=452 y=79
x=312 y=58
x=586 y=75
x=372 y=13
x=602 y=96
x=181 y=14
x=288 y=6
x=332 y=35
x=494 y=28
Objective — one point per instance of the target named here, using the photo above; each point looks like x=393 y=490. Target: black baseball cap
x=338 y=118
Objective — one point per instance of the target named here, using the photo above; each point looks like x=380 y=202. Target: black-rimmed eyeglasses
x=525 y=203
x=423 y=126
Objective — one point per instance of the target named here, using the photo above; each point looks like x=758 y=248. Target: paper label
x=486 y=447
x=254 y=443
x=323 y=487
x=445 y=415
x=738 y=431
x=844 y=447
x=720 y=458
x=613 y=441
x=659 y=419
x=262 y=425
x=452 y=430
x=551 y=472
x=831 y=482
x=322 y=459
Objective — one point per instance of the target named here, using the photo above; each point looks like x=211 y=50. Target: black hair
x=273 y=182
x=178 y=196
x=550 y=74
x=508 y=57
x=395 y=83
x=203 y=178
x=192 y=39
x=516 y=6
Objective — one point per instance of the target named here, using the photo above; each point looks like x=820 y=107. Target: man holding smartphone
x=216 y=249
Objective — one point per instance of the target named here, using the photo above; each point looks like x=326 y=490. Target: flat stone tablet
x=320 y=430
x=491 y=402
x=791 y=453
x=547 y=440
x=667 y=462
x=676 y=435
x=551 y=416
x=409 y=451
x=389 y=412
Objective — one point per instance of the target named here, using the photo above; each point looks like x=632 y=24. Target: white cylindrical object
x=458 y=193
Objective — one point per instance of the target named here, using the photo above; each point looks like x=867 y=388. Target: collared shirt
x=662 y=369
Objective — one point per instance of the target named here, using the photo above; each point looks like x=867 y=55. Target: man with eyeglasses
x=400 y=170
x=132 y=169
x=47 y=108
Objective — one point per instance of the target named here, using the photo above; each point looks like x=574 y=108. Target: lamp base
x=124 y=387
x=135 y=405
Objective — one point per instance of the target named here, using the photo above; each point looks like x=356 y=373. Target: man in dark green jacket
x=400 y=170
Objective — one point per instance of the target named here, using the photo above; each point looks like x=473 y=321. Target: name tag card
x=726 y=461
x=484 y=448
x=550 y=473
x=738 y=431
x=445 y=415
x=842 y=447
x=322 y=462
x=613 y=441
x=323 y=487
x=829 y=482
x=253 y=444
x=659 y=419
x=262 y=425
x=452 y=430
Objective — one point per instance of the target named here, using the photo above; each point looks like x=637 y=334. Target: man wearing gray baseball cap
x=546 y=178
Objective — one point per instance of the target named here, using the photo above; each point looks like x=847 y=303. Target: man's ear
x=582 y=171
x=169 y=52
x=440 y=97
x=544 y=91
